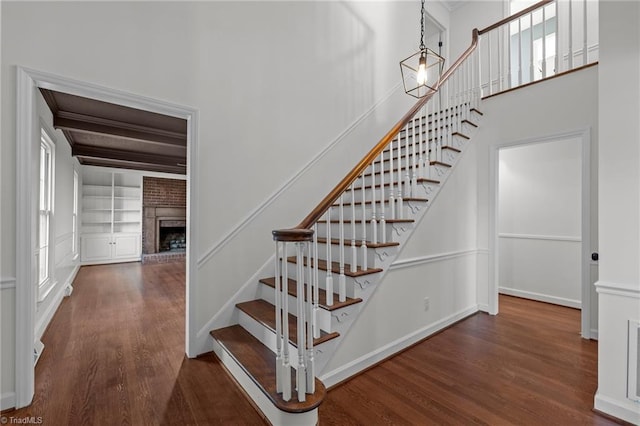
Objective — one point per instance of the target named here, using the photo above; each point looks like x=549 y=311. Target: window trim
x=44 y=287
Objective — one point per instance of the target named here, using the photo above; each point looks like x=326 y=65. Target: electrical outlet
x=426 y=303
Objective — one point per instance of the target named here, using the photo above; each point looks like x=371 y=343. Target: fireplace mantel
x=154 y=218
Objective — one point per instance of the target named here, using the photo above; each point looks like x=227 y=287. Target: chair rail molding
x=7 y=283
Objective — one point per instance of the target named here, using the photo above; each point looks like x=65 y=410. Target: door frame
x=28 y=81
x=584 y=135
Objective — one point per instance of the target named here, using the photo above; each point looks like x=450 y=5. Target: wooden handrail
x=515 y=16
x=315 y=215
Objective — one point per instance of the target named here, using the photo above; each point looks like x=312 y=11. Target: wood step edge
x=292 y=290
x=259 y=363
x=347 y=242
x=359 y=203
x=369 y=220
x=450 y=148
x=264 y=312
x=469 y=122
x=476 y=110
x=440 y=163
x=335 y=268
x=420 y=180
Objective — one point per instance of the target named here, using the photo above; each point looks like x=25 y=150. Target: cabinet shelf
x=111 y=216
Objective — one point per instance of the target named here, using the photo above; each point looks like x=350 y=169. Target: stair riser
x=348 y=231
x=323 y=316
x=375 y=256
x=348 y=213
x=425 y=190
x=266 y=336
x=432 y=172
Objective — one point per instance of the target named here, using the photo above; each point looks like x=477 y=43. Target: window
x=45 y=215
x=74 y=215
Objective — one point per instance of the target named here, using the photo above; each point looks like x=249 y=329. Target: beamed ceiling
x=110 y=135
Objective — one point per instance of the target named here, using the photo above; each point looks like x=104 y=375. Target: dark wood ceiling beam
x=105 y=162
x=88 y=124
x=86 y=151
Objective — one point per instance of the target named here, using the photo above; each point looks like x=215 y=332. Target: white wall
x=540 y=221
x=619 y=181
x=275 y=84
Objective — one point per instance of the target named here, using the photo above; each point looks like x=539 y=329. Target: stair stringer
x=364 y=287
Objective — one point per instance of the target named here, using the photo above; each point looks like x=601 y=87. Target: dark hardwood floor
x=114 y=355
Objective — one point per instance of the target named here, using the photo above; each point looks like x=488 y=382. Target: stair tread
x=369 y=220
x=395 y=169
x=292 y=289
x=358 y=203
x=440 y=163
x=259 y=362
x=476 y=111
x=387 y=184
x=335 y=267
x=265 y=313
x=347 y=242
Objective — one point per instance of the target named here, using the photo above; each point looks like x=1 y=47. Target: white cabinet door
x=126 y=246
x=96 y=248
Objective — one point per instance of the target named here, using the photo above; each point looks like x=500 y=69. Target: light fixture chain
x=422 y=13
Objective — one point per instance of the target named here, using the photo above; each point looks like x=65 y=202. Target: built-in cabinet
x=111 y=216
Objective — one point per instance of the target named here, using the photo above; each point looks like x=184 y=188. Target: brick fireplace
x=164 y=219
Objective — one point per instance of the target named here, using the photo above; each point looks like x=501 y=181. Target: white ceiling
x=453 y=4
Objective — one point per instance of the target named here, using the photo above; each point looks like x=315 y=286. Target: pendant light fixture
x=421 y=71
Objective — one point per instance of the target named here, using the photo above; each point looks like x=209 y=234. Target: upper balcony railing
x=549 y=38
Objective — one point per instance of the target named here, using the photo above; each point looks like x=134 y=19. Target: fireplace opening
x=172 y=238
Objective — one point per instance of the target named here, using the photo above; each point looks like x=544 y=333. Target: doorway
x=28 y=82
x=540 y=222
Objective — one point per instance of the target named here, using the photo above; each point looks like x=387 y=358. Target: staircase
x=326 y=269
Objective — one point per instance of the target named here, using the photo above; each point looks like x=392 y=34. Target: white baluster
x=383 y=222
x=278 y=298
x=310 y=326
x=414 y=161
x=301 y=376
x=544 y=43
x=316 y=284
x=399 y=203
x=585 y=48
x=420 y=145
x=556 y=59
x=531 y=64
x=407 y=163
x=519 y=52
x=570 y=34
x=342 y=281
x=286 y=364
x=428 y=136
x=374 y=221
x=363 y=246
x=354 y=249
x=329 y=278
x=489 y=64
x=392 y=198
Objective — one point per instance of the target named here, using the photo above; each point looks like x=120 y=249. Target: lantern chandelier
x=421 y=71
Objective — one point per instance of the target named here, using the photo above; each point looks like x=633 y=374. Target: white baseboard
x=7 y=400
x=344 y=372
x=47 y=315
x=483 y=307
x=594 y=334
x=570 y=303
x=626 y=410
